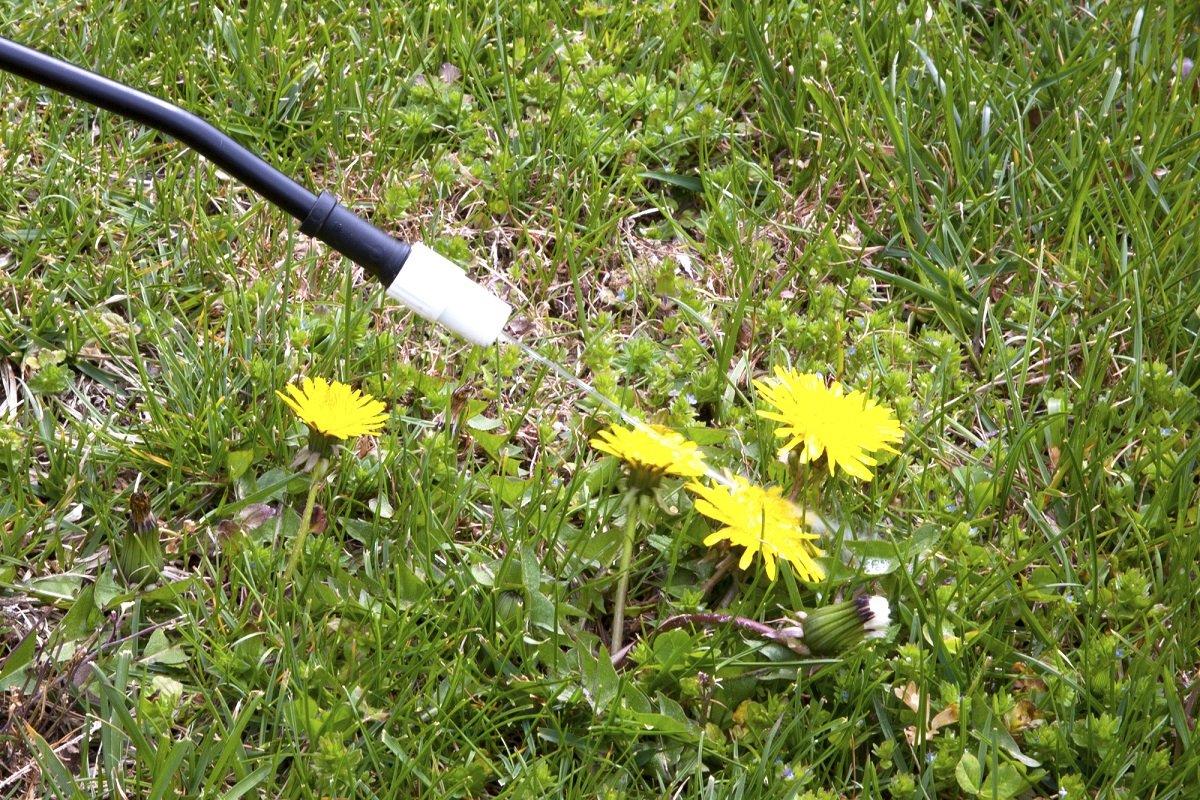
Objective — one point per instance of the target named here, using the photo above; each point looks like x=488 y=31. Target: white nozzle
x=438 y=289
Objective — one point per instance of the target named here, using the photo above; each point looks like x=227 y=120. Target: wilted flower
x=138 y=553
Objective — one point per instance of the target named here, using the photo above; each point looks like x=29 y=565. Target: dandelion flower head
x=760 y=521
x=650 y=452
x=335 y=409
x=825 y=420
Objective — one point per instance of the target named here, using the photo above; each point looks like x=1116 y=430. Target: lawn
x=980 y=214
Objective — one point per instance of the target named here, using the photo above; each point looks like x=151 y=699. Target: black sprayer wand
x=421 y=279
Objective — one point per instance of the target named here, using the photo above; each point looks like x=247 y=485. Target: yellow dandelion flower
x=817 y=419
x=651 y=451
x=335 y=409
x=761 y=521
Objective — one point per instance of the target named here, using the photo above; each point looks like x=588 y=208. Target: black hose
x=320 y=215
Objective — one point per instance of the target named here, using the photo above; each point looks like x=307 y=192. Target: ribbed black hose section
x=223 y=151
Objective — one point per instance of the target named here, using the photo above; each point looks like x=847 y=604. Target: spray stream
x=586 y=388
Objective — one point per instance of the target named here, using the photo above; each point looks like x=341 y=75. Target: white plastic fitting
x=439 y=290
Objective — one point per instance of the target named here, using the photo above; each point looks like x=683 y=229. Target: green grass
x=984 y=212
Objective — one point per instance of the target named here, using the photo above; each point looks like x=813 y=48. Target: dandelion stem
x=318 y=477
x=713 y=620
x=631 y=520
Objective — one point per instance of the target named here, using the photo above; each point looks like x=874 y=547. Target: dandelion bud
x=834 y=629
x=138 y=553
